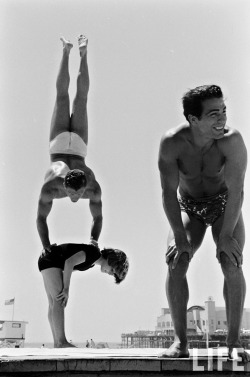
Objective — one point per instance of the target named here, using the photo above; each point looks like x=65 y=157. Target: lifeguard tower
x=12 y=333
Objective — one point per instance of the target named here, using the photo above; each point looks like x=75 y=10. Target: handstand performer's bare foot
x=67 y=45
x=82 y=43
x=65 y=345
x=237 y=352
x=175 y=351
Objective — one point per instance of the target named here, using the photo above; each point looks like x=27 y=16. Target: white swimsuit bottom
x=68 y=143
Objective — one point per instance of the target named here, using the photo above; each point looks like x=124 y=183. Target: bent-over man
x=202 y=166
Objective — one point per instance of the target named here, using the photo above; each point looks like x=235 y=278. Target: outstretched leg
x=61 y=115
x=234 y=290
x=79 y=118
x=177 y=288
x=53 y=282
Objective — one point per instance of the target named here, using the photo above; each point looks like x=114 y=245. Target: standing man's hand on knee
x=231 y=248
x=176 y=248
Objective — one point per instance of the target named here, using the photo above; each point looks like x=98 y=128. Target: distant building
x=201 y=319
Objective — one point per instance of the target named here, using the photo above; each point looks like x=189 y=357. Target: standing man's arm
x=95 y=206
x=44 y=208
x=169 y=172
x=235 y=168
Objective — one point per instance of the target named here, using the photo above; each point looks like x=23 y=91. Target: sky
x=142 y=56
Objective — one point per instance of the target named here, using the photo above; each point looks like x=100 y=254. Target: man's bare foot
x=238 y=352
x=67 y=45
x=65 y=345
x=175 y=351
x=82 y=43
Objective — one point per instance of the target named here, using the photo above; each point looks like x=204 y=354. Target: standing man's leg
x=53 y=282
x=61 y=116
x=234 y=287
x=79 y=118
x=177 y=287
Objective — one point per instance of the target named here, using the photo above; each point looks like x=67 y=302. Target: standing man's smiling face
x=213 y=118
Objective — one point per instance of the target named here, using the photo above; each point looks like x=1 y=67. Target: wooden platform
x=69 y=362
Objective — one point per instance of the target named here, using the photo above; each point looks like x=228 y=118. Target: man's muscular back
x=54 y=188
x=53 y=184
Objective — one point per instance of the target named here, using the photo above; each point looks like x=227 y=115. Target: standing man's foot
x=175 y=351
x=67 y=45
x=82 y=43
x=237 y=352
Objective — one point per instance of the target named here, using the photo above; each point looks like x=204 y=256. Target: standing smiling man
x=202 y=166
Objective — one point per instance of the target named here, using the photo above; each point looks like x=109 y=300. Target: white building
x=201 y=319
x=12 y=333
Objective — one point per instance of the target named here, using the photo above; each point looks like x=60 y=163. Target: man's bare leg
x=234 y=293
x=177 y=295
x=79 y=118
x=61 y=116
x=177 y=289
x=53 y=281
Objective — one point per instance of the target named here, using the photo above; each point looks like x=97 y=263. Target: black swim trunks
x=207 y=209
x=60 y=253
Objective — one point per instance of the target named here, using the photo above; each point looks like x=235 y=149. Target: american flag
x=9 y=302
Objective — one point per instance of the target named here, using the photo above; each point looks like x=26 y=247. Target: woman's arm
x=77 y=258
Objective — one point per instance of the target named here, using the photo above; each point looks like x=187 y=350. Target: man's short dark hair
x=75 y=179
x=118 y=260
x=192 y=100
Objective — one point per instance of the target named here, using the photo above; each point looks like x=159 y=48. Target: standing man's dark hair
x=193 y=99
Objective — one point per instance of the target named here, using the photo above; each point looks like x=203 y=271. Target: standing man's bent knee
x=230 y=246
x=229 y=268
x=177 y=264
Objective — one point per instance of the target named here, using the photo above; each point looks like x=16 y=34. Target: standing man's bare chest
x=193 y=162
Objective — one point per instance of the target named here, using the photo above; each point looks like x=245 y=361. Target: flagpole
x=13 y=309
